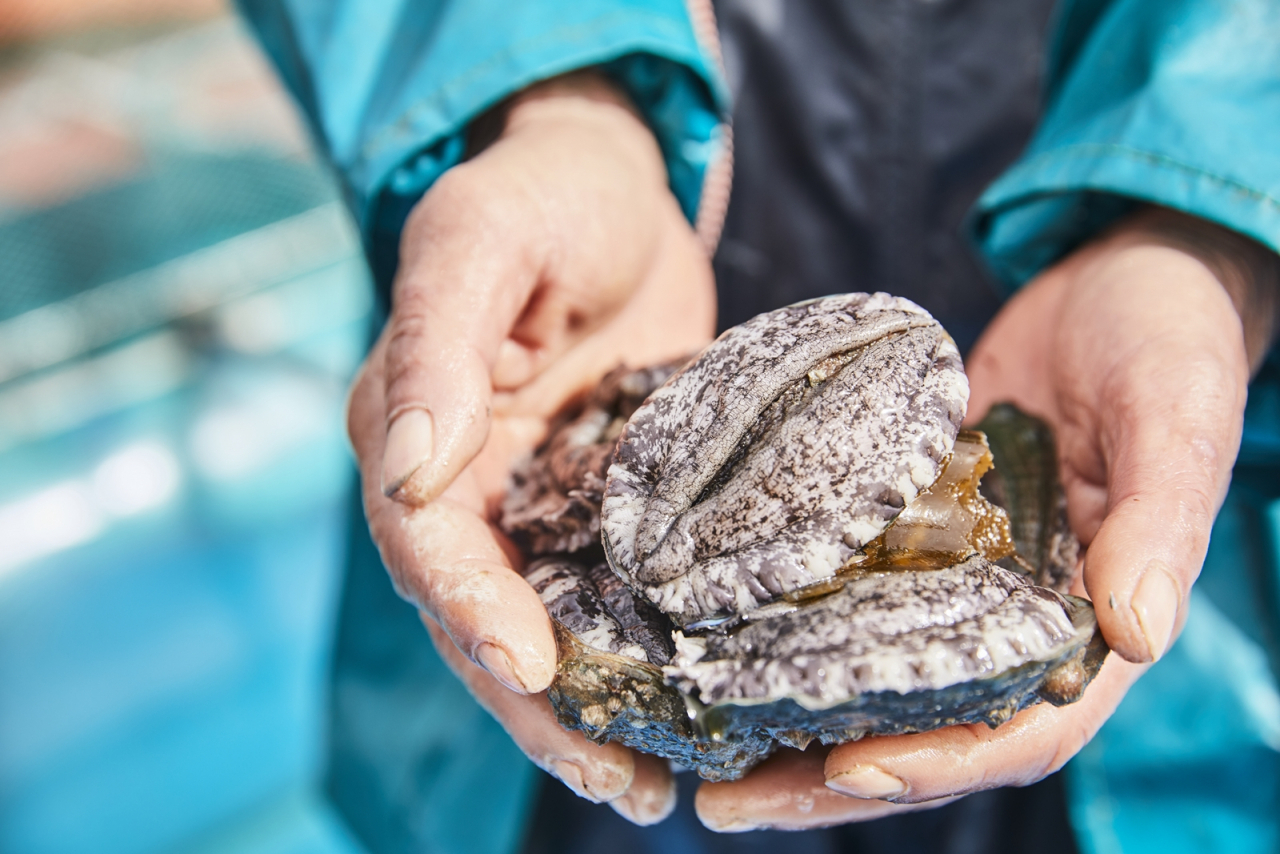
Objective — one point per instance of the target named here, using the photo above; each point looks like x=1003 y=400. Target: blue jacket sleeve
x=389 y=86
x=1174 y=102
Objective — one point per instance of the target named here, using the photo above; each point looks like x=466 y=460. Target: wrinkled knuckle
x=458 y=585
x=405 y=354
x=1200 y=502
x=435 y=583
x=409 y=323
x=989 y=778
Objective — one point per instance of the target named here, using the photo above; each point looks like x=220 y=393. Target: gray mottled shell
x=553 y=501
x=574 y=602
x=789 y=443
x=609 y=683
x=594 y=604
x=904 y=632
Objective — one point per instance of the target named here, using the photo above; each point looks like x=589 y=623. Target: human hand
x=526 y=273
x=1134 y=350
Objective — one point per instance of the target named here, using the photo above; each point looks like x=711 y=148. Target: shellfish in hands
x=795 y=547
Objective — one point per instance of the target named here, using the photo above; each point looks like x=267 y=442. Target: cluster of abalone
x=786 y=540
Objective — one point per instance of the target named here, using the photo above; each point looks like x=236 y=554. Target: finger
x=1156 y=385
x=786 y=792
x=1165 y=485
x=445 y=559
x=643 y=793
x=1170 y=436
x=468 y=268
x=961 y=759
x=455 y=568
x=645 y=331
x=652 y=794
x=593 y=771
x=1151 y=543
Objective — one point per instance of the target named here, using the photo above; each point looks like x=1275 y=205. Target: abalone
x=796 y=544
x=769 y=462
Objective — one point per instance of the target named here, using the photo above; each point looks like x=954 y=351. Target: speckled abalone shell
x=792 y=441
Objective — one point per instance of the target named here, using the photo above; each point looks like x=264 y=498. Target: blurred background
x=182 y=304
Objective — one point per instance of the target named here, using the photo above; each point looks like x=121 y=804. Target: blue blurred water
x=174 y=352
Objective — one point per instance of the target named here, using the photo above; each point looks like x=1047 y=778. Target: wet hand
x=526 y=273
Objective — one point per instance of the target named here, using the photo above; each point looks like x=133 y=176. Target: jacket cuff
x=1170 y=102
x=1051 y=203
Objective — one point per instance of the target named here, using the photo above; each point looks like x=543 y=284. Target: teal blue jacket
x=1175 y=102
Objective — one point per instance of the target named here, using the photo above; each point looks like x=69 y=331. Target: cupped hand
x=526 y=273
x=1134 y=350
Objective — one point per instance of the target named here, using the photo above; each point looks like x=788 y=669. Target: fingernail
x=494 y=659
x=409 y=441
x=869 y=782
x=733 y=825
x=570 y=773
x=649 y=805
x=1155 y=604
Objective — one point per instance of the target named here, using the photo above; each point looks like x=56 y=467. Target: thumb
x=1170 y=448
x=464 y=280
